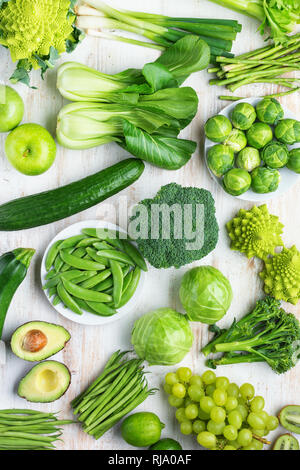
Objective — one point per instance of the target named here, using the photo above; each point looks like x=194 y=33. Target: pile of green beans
x=96 y=271
x=29 y=430
x=117 y=391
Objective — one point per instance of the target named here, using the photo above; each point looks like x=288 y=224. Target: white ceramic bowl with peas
x=287 y=177
x=89 y=318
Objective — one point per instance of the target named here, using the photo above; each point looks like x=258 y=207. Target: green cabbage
x=162 y=337
x=205 y=294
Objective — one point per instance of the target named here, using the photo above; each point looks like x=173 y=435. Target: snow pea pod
x=51 y=255
x=104 y=285
x=111 y=236
x=135 y=255
x=70 y=275
x=127 y=280
x=131 y=287
x=99 y=259
x=58 y=263
x=51 y=274
x=79 y=252
x=93 y=281
x=52 y=291
x=67 y=300
x=83 y=276
x=70 y=242
x=117 y=274
x=102 y=246
x=56 y=301
x=116 y=256
x=88 y=241
x=85 y=294
x=80 y=263
x=102 y=309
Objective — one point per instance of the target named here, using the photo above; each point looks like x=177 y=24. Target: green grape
x=222 y=382
x=229 y=448
x=191 y=411
x=255 y=421
x=234 y=444
x=257 y=404
x=272 y=423
x=184 y=374
x=207 y=439
x=249 y=447
x=180 y=414
x=263 y=415
x=210 y=390
x=243 y=410
x=218 y=414
x=247 y=391
x=168 y=389
x=199 y=426
x=241 y=401
x=196 y=380
x=232 y=390
x=209 y=377
x=231 y=404
x=235 y=419
x=256 y=444
x=186 y=427
x=178 y=390
x=171 y=378
x=219 y=397
x=188 y=401
x=206 y=404
x=195 y=392
x=258 y=432
x=230 y=432
x=244 y=437
x=203 y=415
x=215 y=428
x=175 y=401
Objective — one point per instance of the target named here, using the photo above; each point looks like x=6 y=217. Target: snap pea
x=135 y=255
x=102 y=246
x=71 y=242
x=131 y=287
x=70 y=275
x=79 y=252
x=102 y=309
x=99 y=259
x=117 y=275
x=67 y=300
x=51 y=255
x=88 y=241
x=80 y=263
x=52 y=291
x=111 y=236
x=104 y=285
x=125 y=270
x=51 y=274
x=58 y=263
x=93 y=281
x=83 y=276
x=85 y=294
x=127 y=280
x=116 y=256
x=56 y=301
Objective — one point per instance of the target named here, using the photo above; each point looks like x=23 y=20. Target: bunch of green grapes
x=221 y=414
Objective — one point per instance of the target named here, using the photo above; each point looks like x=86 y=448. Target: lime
x=141 y=429
x=166 y=444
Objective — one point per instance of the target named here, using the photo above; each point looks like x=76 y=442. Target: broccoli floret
x=267 y=334
x=188 y=233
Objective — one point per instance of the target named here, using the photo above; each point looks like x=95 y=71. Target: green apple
x=11 y=108
x=31 y=149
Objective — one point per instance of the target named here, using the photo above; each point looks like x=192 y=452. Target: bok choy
x=142 y=110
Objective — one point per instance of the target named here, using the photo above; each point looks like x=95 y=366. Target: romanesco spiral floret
x=255 y=232
x=29 y=28
x=281 y=275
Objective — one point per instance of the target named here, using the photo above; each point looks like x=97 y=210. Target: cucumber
x=13 y=269
x=50 y=206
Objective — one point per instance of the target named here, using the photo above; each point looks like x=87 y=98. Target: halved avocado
x=38 y=340
x=45 y=382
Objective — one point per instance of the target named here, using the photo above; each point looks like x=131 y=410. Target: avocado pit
x=34 y=341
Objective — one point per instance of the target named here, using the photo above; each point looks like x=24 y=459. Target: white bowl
x=288 y=177
x=88 y=318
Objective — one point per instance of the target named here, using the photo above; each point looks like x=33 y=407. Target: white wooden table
x=90 y=347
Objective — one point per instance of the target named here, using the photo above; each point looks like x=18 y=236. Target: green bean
x=87 y=242
x=71 y=242
x=85 y=294
x=93 y=281
x=80 y=263
x=116 y=256
x=93 y=255
x=67 y=299
x=117 y=274
x=135 y=255
x=101 y=309
x=131 y=287
x=51 y=255
x=104 y=285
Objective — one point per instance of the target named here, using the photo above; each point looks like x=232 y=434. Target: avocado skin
x=54 y=397
x=43 y=326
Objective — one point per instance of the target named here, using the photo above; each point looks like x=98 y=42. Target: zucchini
x=13 y=269
x=50 y=206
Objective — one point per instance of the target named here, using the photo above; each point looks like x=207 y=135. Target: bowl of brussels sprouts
x=252 y=148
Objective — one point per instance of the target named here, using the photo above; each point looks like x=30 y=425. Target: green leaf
x=188 y=55
x=76 y=38
x=164 y=152
x=47 y=62
x=158 y=76
x=2 y=2
x=21 y=74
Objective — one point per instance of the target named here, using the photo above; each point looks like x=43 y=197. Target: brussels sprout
x=294 y=160
x=243 y=116
x=275 y=154
x=220 y=159
x=237 y=181
x=269 y=111
x=259 y=135
x=288 y=131
x=265 y=180
x=236 y=140
x=248 y=159
x=218 y=128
